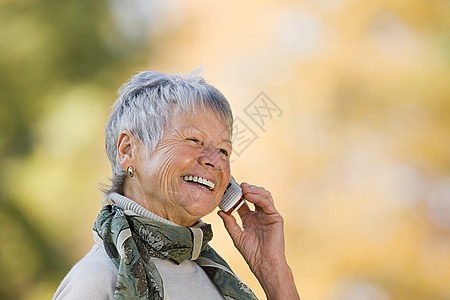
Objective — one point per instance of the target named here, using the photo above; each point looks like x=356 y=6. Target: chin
x=200 y=208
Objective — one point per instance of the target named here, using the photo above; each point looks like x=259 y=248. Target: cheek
x=166 y=168
x=172 y=161
x=226 y=167
x=226 y=175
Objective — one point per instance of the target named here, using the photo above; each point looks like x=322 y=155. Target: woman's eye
x=224 y=152
x=195 y=140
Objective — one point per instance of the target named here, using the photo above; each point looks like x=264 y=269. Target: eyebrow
x=227 y=141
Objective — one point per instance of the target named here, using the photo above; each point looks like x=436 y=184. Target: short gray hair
x=145 y=104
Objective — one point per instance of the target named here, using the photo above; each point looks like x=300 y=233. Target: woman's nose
x=210 y=157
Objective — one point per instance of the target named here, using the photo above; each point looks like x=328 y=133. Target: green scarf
x=131 y=241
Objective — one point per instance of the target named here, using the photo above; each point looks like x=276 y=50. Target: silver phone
x=232 y=199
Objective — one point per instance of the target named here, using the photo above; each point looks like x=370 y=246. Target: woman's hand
x=261 y=242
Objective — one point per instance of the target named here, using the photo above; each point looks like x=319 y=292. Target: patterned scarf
x=131 y=241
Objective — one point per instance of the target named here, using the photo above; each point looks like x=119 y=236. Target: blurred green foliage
x=360 y=154
x=45 y=47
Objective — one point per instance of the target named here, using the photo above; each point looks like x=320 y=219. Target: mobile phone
x=232 y=199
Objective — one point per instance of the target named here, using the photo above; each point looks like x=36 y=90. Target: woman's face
x=184 y=178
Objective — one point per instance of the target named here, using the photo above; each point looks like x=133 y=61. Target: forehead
x=205 y=120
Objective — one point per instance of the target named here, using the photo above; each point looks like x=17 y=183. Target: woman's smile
x=200 y=181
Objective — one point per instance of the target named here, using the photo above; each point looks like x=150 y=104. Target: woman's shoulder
x=93 y=277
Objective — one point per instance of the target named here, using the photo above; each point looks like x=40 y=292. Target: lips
x=200 y=180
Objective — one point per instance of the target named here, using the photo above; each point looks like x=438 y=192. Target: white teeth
x=201 y=180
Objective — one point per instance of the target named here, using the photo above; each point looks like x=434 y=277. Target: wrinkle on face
x=162 y=189
x=166 y=170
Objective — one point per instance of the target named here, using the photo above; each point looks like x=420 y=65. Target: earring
x=130 y=171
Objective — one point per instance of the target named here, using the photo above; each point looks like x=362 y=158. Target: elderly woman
x=169 y=143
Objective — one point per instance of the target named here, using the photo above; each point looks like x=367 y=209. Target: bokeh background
x=358 y=161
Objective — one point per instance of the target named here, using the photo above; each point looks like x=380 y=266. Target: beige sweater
x=94 y=276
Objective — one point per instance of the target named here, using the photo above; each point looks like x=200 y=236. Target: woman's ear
x=126 y=147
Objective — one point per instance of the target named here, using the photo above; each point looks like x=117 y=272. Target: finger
x=261 y=203
x=247 y=190
x=266 y=196
x=244 y=210
x=250 y=187
x=232 y=227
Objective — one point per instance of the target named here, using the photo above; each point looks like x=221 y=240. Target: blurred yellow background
x=357 y=156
